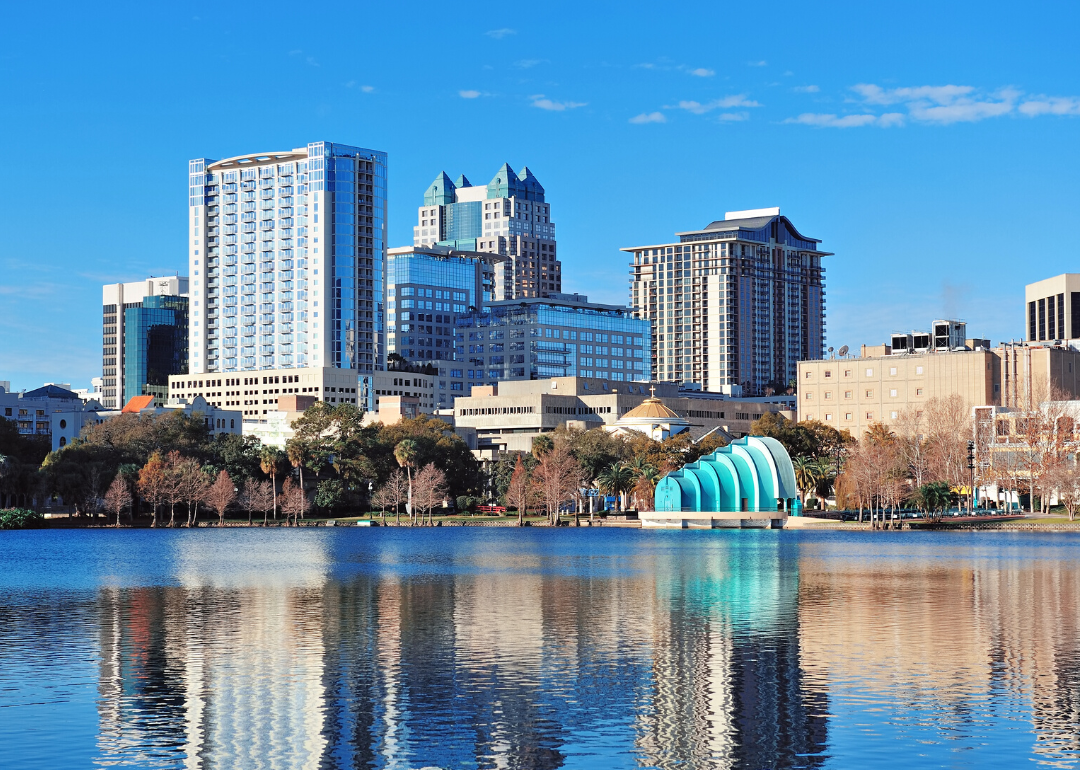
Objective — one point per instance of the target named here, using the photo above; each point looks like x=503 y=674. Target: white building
x=735 y=305
x=116 y=298
x=507 y=216
x=287 y=252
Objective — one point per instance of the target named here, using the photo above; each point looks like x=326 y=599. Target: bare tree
x=256 y=496
x=1064 y=478
x=192 y=485
x=392 y=494
x=909 y=427
x=294 y=502
x=221 y=495
x=429 y=490
x=153 y=483
x=520 y=493
x=556 y=479
x=118 y=497
x=948 y=429
x=1040 y=439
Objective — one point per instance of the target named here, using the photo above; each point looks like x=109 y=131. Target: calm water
x=463 y=648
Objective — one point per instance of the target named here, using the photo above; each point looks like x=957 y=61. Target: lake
x=538 y=648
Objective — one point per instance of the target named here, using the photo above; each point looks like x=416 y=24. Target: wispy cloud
x=499 y=34
x=702 y=72
x=726 y=103
x=823 y=120
x=311 y=61
x=649 y=117
x=367 y=89
x=528 y=63
x=538 y=100
x=469 y=94
x=761 y=63
x=806 y=89
x=939 y=105
x=733 y=117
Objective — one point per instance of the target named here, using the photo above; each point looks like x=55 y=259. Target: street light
x=971 y=468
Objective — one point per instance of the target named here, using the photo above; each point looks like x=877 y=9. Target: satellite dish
x=843 y=351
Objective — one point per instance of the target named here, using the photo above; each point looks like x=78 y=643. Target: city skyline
x=934 y=138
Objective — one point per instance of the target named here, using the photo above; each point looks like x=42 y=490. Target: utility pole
x=971 y=469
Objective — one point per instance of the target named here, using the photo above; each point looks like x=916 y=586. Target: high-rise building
x=1053 y=308
x=735 y=305
x=562 y=335
x=508 y=216
x=288 y=260
x=426 y=287
x=144 y=326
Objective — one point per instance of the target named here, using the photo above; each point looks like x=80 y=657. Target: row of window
x=828 y=373
x=869 y=394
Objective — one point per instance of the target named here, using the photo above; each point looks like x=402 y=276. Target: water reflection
x=544 y=650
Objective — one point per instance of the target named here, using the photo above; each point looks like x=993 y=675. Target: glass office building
x=561 y=336
x=288 y=260
x=155 y=346
x=426 y=288
x=508 y=216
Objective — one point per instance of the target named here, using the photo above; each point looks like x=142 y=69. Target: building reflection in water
x=688 y=650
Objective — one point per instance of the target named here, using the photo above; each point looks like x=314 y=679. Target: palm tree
x=807 y=475
x=616 y=479
x=296 y=452
x=270 y=459
x=405 y=454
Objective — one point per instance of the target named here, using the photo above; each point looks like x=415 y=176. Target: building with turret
x=508 y=216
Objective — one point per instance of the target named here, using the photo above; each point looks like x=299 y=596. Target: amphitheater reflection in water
x=363 y=649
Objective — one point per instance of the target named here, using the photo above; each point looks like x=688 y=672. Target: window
x=918 y=370
x=869 y=394
x=894 y=415
x=808 y=374
x=828 y=373
x=869 y=372
x=892 y=371
x=809 y=396
x=847 y=372
x=869 y=415
x=828 y=416
x=828 y=394
x=918 y=391
x=847 y=394
x=847 y=415
x=892 y=393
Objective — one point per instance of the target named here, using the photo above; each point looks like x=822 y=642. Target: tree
x=192 y=485
x=257 y=496
x=153 y=483
x=118 y=497
x=617 y=479
x=934 y=498
x=392 y=493
x=329 y=494
x=221 y=495
x=519 y=492
x=293 y=502
x=405 y=454
x=430 y=490
x=270 y=461
x=296 y=450
x=556 y=479
x=541 y=445
x=1064 y=478
x=806 y=475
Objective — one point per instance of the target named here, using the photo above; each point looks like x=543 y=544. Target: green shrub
x=20 y=518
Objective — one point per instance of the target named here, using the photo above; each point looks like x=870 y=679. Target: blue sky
x=931 y=146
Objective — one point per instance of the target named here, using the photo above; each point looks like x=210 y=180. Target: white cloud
x=761 y=63
x=873 y=94
x=1050 y=105
x=311 y=61
x=499 y=34
x=806 y=89
x=367 y=89
x=468 y=94
x=733 y=117
x=538 y=100
x=702 y=72
x=822 y=120
x=527 y=63
x=727 y=102
x=649 y=117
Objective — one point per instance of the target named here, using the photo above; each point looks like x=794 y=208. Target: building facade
x=287 y=252
x=854 y=393
x=736 y=304
x=507 y=416
x=144 y=337
x=426 y=288
x=562 y=335
x=32 y=410
x=508 y=216
x=258 y=393
x=1053 y=309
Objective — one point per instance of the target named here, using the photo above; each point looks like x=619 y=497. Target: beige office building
x=1053 y=308
x=853 y=393
x=257 y=393
x=507 y=416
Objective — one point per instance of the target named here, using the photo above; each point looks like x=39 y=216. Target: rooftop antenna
x=830 y=353
x=843 y=351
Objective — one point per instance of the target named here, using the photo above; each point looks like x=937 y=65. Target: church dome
x=653 y=409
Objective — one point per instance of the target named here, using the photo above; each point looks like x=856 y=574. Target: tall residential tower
x=734 y=305
x=508 y=216
x=288 y=260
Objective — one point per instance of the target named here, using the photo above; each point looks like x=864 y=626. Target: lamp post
x=971 y=469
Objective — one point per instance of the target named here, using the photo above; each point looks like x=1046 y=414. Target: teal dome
x=753 y=473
